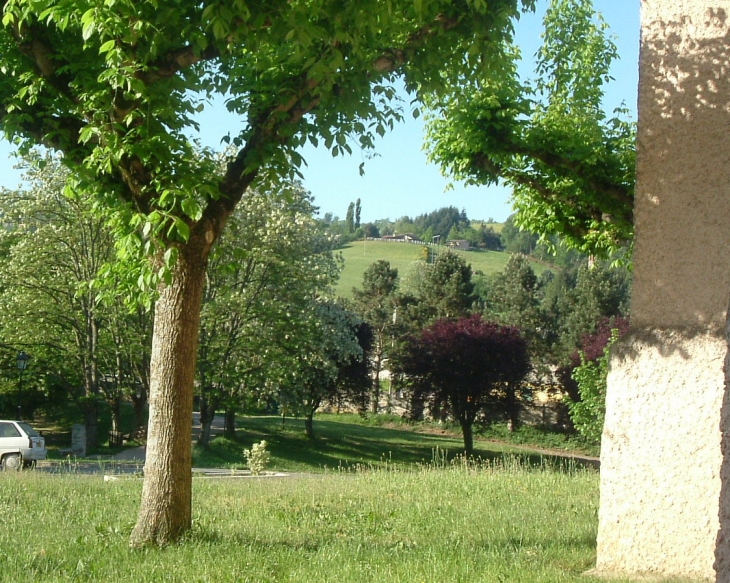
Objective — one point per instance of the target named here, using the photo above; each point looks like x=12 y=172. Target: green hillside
x=360 y=254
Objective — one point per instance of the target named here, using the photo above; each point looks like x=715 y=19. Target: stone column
x=664 y=474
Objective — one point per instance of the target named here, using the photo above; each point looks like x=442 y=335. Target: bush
x=589 y=413
x=257 y=457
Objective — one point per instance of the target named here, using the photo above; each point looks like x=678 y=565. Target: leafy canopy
x=571 y=167
x=116 y=86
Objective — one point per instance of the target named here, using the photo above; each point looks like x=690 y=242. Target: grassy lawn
x=360 y=254
x=347 y=441
x=495 y=522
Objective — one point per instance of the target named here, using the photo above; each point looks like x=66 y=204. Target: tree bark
x=375 y=396
x=91 y=421
x=139 y=405
x=207 y=413
x=229 y=425
x=309 y=425
x=166 y=506
x=466 y=430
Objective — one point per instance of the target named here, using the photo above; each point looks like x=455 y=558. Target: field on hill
x=360 y=254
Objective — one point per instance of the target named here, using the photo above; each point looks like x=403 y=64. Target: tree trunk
x=91 y=421
x=116 y=410
x=466 y=430
x=139 y=405
x=166 y=506
x=375 y=397
x=309 y=425
x=207 y=412
x=229 y=424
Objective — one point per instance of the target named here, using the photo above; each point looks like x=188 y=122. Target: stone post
x=664 y=474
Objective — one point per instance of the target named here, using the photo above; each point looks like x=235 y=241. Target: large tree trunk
x=165 y=510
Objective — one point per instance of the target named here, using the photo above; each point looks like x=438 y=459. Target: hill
x=360 y=254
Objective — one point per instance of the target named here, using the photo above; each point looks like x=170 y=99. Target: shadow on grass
x=342 y=444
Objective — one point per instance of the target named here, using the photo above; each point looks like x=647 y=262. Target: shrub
x=589 y=413
x=257 y=457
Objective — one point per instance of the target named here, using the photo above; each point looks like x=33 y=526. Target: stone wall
x=663 y=474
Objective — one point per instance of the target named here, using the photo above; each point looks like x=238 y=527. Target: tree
x=52 y=277
x=517 y=240
x=513 y=298
x=115 y=88
x=268 y=266
x=358 y=211
x=600 y=291
x=466 y=367
x=376 y=303
x=350 y=218
x=332 y=365
x=447 y=290
x=571 y=166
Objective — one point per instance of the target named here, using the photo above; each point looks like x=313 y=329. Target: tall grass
x=496 y=522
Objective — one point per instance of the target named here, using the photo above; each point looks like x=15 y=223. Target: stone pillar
x=664 y=478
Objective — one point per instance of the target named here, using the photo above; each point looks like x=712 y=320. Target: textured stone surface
x=660 y=458
x=665 y=506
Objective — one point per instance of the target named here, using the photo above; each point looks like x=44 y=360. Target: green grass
x=360 y=254
x=497 y=522
x=345 y=441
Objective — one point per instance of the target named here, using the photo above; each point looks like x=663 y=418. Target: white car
x=20 y=445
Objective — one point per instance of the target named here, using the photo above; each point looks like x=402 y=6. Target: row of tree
x=444 y=224
x=461 y=344
x=271 y=336
x=116 y=89
x=270 y=329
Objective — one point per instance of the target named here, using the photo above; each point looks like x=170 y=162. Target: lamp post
x=23 y=359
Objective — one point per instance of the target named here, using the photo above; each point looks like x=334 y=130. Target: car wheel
x=12 y=461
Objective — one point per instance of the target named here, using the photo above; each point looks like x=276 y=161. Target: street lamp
x=23 y=359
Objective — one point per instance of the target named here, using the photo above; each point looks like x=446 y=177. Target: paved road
x=130 y=462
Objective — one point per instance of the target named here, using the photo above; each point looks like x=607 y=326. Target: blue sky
x=398 y=180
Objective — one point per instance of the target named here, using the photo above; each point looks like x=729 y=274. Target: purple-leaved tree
x=465 y=367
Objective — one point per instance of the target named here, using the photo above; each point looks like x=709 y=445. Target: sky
x=399 y=180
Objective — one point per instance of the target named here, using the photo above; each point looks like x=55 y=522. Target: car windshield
x=29 y=430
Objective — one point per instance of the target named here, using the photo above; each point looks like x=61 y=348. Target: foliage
x=271 y=262
x=377 y=302
x=464 y=368
x=513 y=298
x=329 y=364
x=588 y=414
x=258 y=457
x=571 y=166
x=446 y=290
x=600 y=291
x=592 y=347
x=80 y=334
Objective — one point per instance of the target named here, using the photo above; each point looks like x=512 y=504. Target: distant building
x=460 y=244
x=406 y=237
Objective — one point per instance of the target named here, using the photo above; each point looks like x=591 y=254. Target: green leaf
x=107 y=46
